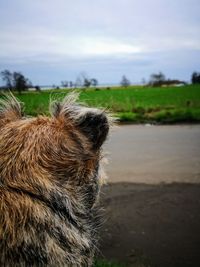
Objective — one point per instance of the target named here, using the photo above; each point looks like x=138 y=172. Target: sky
x=50 y=41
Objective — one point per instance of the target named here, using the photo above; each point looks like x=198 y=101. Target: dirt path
x=154 y=221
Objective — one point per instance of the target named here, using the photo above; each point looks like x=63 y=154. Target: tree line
x=16 y=81
x=159 y=79
x=81 y=81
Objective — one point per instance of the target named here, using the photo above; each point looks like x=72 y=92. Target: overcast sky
x=50 y=41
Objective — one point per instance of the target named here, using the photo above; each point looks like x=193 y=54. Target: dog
x=50 y=183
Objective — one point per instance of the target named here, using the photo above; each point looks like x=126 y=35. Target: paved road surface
x=159 y=223
x=143 y=216
x=154 y=154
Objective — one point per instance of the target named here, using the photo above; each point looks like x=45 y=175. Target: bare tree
x=71 y=84
x=124 y=81
x=7 y=77
x=78 y=82
x=83 y=80
x=64 y=84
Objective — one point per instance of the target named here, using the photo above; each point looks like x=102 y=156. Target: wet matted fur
x=49 y=184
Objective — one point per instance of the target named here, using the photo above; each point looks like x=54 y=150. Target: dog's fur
x=49 y=184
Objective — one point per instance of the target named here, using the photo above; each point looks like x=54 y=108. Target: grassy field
x=138 y=263
x=103 y=263
x=132 y=104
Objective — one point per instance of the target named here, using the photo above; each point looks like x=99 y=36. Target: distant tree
x=64 y=84
x=71 y=84
x=20 y=83
x=124 y=81
x=143 y=81
x=94 y=82
x=37 y=88
x=15 y=81
x=7 y=77
x=78 y=82
x=195 y=79
x=83 y=80
x=157 y=79
x=87 y=82
x=80 y=79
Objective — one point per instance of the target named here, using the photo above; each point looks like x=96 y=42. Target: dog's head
x=49 y=152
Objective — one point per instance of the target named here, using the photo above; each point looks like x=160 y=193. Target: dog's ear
x=95 y=126
x=10 y=109
x=93 y=123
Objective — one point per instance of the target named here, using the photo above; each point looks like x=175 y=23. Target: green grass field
x=140 y=262
x=103 y=263
x=132 y=104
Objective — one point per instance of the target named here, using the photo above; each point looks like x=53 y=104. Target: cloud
x=42 y=45
x=39 y=43
x=99 y=35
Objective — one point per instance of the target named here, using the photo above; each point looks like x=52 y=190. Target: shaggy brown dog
x=49 y=184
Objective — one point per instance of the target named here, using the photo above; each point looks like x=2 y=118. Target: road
x=152 y=197
x=154 y=154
